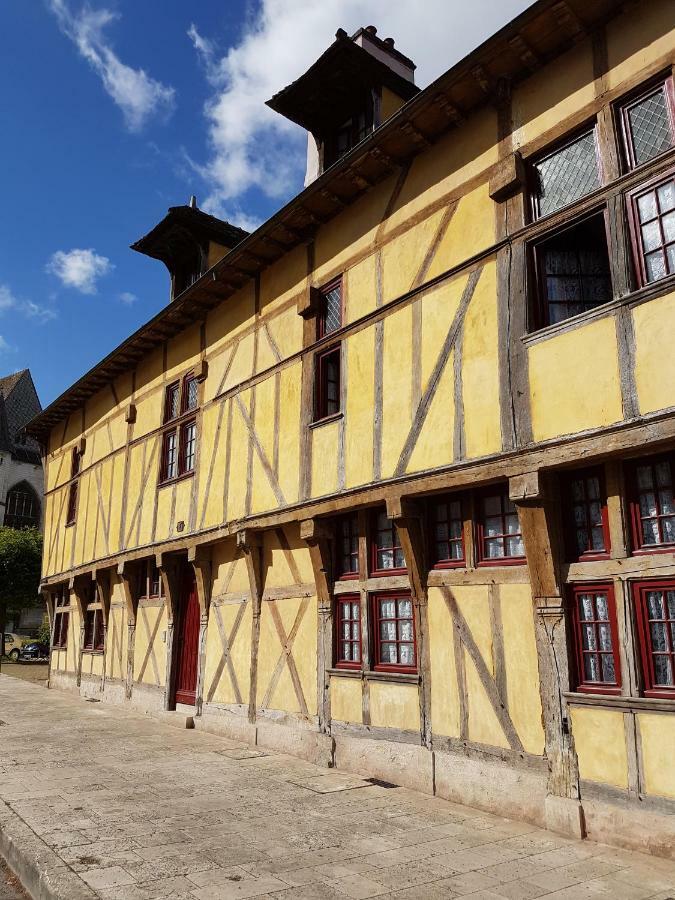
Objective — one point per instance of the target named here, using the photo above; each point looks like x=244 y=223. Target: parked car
x=33 y=651
x=13 y=644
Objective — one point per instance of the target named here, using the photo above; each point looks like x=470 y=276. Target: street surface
x=137 y=809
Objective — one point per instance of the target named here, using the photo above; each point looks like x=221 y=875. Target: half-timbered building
x=388 y=483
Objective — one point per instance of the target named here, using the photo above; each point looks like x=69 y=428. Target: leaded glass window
x=587 y=515
x=348 y=546
x=349 y=631
x=387 y=551
x=447 y=526
x=330 y=318
x=648 y=125
x=566 y=175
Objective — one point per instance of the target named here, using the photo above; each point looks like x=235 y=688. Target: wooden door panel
x=186 y=645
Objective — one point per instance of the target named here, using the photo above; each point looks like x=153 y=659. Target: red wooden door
x=186 y=644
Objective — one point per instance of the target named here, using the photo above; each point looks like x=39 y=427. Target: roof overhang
x=544 y=31
x=181 y=228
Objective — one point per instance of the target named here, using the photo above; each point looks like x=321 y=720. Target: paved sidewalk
x=135 y=809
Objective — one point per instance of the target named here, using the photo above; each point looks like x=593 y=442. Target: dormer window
x=349 y=134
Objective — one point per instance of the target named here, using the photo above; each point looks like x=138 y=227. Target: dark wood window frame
x=479 y=526
x=328 y=359
x=341 y=640
x=149 y=583
x=75 y=466
x=179 y=429
x=375 y=549
x=61 y=619
x=94 y=630
x=22 y=506
x=570 y=525
x=584 y=684
x=651 y=688
x=622 y=107
x=639 y=547
x=376 y=638
x=635 y=227
x=351 y=522
x=433 y=503
x=538 y=300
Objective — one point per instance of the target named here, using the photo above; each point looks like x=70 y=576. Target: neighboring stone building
x=21 y=475
x=389 y=482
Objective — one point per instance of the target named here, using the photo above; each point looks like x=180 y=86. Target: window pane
x=493 y=526
x=385 y=559
x=588 y=637
x=591 y=668
x=659 y=640
x=597 y=539
x=172 y=401
x=388 y=653
x=567 y=175
x=407 y=654
x=654 y=604
x=405 y=630
x=663 y=670
x=586 y=607
x=668 y=225
x=405 y=609
x=605 y=637
x=333 y=309
x=647 y=208
x=649 y=127
x=191 y=393
x=608 y=672
x=494 y=548
x=346 y=652
x=387 y=609
x=399 y=561
x=666 y=196
x=602 y=607
x=651 y=235
x=514 y=546
x=648 y=504
x=492 y=505
x=388 y=631
x=650 y=531
x=356 y=653
x=655 y=264
x=512 y=524
x=670 y=600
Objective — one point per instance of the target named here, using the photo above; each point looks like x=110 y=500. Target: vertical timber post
x=102 y=588
x=49 y=602
x=131 y=604
x=76 y=587
x=409 y=520
x=250 y=544
x=200 y=559
x=317 y=537
x=533 y=496
x=168 y=572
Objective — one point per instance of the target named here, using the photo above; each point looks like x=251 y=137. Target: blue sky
x=114 y=111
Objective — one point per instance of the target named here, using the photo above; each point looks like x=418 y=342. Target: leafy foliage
x=20 y=561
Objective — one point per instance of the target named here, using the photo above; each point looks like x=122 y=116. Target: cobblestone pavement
x=141 y=810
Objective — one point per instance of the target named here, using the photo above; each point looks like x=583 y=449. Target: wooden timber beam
x=124 y=578
x=525 y=53
x=200 y=560
x=102 y=579
x=318 y=538
x=408 y=516
x=538 y=512
x=249 y=543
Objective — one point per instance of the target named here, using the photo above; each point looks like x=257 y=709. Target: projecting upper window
x=179 y=440
x=648 y=124
x=652 y=215
x=565 y=175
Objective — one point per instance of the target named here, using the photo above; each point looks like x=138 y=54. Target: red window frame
x=94 y=633
x=635 y=225
x=664 y=84
x=61 y=620
x=377 y=640
x=321 y=318
x=569 y=504
x=177 y=408
x=332 y=355
x=446 y=562
x=640 y=590
x=583 y=683
x=375 y=548
x=640 y=547
x=346 y=529
x=347 y=601
x=481 y=537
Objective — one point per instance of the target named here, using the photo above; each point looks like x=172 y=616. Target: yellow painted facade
x=447 y=386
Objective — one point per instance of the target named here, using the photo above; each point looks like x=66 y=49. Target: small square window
x=565 y=175
x=653 y=506
x=348 y=633
x=573 y=274
x=447 y=532
x=387 y=551
x=649 y=124
x=655 y=603
x=585 y=506
x=394 y=632
x=596 y=639
x=499 y=538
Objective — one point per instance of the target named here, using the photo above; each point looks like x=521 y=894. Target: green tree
x=20 y=562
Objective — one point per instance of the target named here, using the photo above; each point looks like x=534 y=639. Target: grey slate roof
x=19 y=403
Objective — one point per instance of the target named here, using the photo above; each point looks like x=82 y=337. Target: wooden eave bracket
x=309 y=302
x=202 y=370
x=509 y=178
x=399 y=507
x=528 y=486
x=248 y=541
x=314 y=530
x=130 y=414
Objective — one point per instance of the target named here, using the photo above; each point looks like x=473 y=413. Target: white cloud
x=250 y=146
x=79 y=269
x=128 y=298
x=4 y=346
x=9 y=300
x=137 y=94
